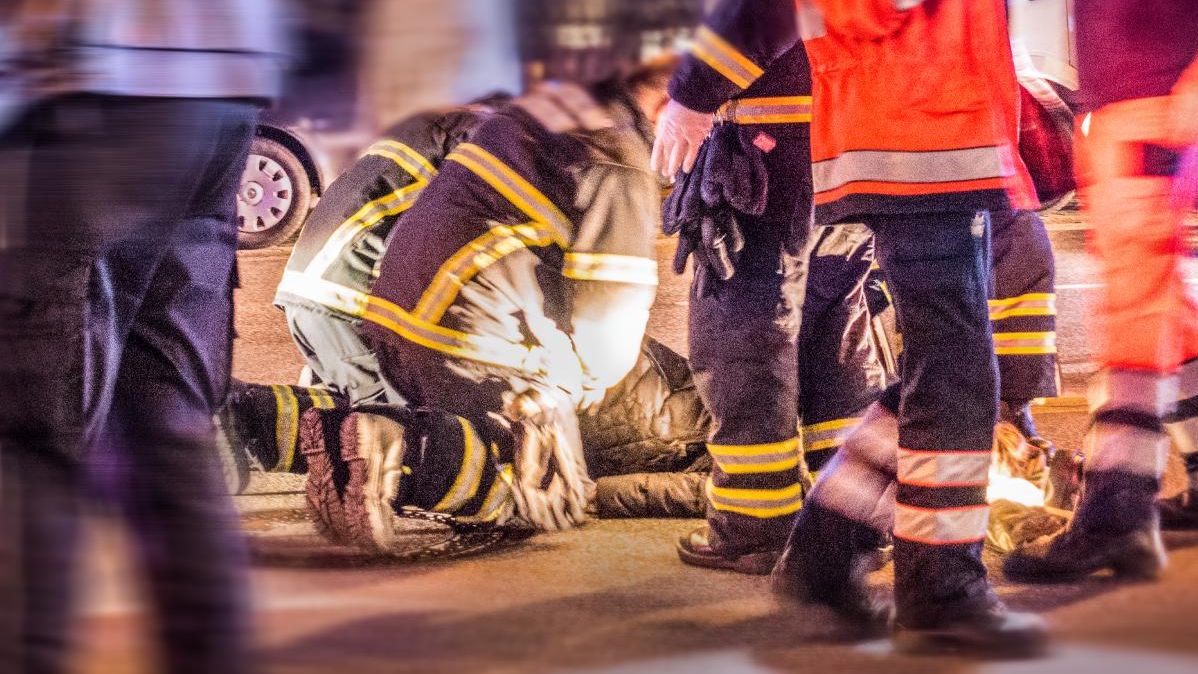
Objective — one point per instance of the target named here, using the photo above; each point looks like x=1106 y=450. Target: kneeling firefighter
x=514 y=293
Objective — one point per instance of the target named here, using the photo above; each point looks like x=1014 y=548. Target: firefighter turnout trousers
x=840 y=372
x=934 y=458
x=1023 y=306
x=744 y=335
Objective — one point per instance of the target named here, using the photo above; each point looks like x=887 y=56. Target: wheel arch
x=304 y=151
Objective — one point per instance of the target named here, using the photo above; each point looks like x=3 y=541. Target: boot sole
x=752 y=564
x=375 y=460
x=324 y=503
x=959 y=642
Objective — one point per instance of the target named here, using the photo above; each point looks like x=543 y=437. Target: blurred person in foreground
x=512 y=294
x=129 y=121
x=908 y=137
x=1139 y=80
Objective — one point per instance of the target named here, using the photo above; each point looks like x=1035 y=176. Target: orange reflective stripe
x=1028 y=304
x=771 y=110
x=725 y=59
x=909 y=189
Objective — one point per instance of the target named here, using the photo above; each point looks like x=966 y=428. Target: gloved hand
x=729 y=180
x=680 y=133
x=366 y=253
x=550 y=484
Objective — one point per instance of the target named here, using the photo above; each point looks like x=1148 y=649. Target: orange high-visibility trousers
x=1146 y=320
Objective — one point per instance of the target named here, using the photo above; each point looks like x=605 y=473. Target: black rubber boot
x=826 y=561
x=1181 y=511
x=1116 y=527
x=1019 y=415
x=977 y=625
x=695 y=549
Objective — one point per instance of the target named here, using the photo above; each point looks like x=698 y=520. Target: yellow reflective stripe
x=610 y=267
x=325 y=293
x=1025 y=343
x=475 y=256
x=485 y=350
x=760 y=503
x=369 y=215
x=755 y=459
x=286 y=426
x=725 y=59
x=408 y=159
x=942 y=526
x=767 y=110
x=1030 y=304
x=828 y=434
x=498 y=499
x=465 y=485
x=521 y=193
x=751 y=450
x=321 y=400
x=944 y=468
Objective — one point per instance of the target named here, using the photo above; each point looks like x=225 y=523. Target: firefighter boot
x=977 y=625
x=1116 y=527
x=353 y=485
x=1019 y=415
x=1181 y=511
x=695 y=549
x=826 y=561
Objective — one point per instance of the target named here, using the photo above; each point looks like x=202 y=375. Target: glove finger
x=735 y=235
x=715 y=250
x=678 y=155
x=663 y=147
x=686 y=245
x=359 y=263
x=691 y=157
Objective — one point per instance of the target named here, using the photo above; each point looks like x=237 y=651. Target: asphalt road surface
x=611 y=597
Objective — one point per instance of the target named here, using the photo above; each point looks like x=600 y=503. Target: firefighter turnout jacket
x=532 y=250
x=332 y=262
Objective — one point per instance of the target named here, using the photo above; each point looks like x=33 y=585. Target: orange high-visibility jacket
x=914 y=107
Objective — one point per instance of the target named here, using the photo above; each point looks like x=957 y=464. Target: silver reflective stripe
x=1025 y=343
x=610 y=267
x=944 y=469
x=1126 y=449
x=941 y=527
x=904 y=5
x=1187 y=380
x=325 y=293
x=1147 y=392
x=940 y=166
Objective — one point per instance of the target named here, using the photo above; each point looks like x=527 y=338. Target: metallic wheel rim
x=266 y=194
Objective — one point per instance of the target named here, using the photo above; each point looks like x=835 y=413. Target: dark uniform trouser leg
x=126 y=292
x=462 y=458
x=743 y=345
x=839 y=370
x=1023 y=307
x=936 y=267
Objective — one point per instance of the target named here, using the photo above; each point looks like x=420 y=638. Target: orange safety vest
x=915 y=107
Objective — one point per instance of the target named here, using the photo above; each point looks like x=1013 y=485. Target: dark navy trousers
x=115 y=345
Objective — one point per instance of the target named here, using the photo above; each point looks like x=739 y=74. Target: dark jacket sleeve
x=735 y=45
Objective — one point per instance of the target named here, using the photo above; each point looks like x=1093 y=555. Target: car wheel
x=274 y=198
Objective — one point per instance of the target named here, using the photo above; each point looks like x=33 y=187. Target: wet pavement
x=612 y=596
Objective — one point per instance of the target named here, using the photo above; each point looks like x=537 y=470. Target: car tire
x=274 y=197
